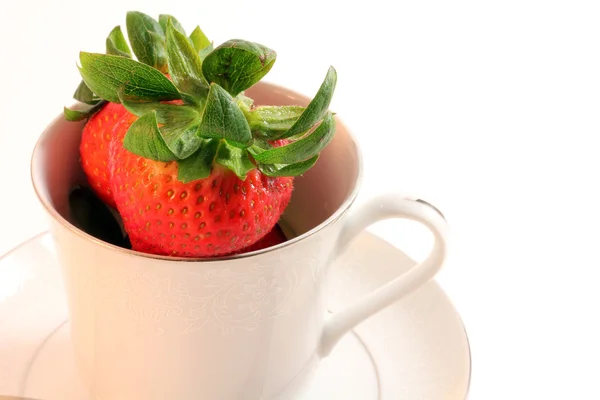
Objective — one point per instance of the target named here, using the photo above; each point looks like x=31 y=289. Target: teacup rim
x=335 y=216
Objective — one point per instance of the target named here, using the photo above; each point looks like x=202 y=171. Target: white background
x=490 y=110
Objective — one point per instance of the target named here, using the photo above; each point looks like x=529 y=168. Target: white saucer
x=416 y=349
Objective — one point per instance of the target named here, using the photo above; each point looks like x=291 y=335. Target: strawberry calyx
x=189 y=97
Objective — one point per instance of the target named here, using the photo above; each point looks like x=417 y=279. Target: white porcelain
x=415 y=349
x=246 y=327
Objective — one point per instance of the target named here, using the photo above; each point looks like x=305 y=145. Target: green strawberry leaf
x=206 y=51
x=199 y=164
x=199 y=40
x=164 y=111
x=234 y=158
x=259 y=146
x=147 y=40
x=80 y=115
x=288 y=170
x=302 y=149
x=75 y=115
x=116 y=43
x=181 y=136
x=271 y=121
x=244 y=102
x=316 y=109
x=180 y=124
x=236 y=65
x=107 y=75
x=185 y=66
x=144 y=139
x=223 y=119
x=85 y=95
x=163 y=20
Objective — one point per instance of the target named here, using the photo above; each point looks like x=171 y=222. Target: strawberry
x=95 y=142
x=272 y=238
x=193 y=167
x=212 y=216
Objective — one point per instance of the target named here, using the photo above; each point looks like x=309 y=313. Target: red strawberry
x=95 y=141
x=271 y=239
x=193 y=168
x=218 y=215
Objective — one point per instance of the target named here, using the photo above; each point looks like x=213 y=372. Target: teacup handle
x=380 y=208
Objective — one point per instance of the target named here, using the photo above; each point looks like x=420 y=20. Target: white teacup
x=253 y=326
